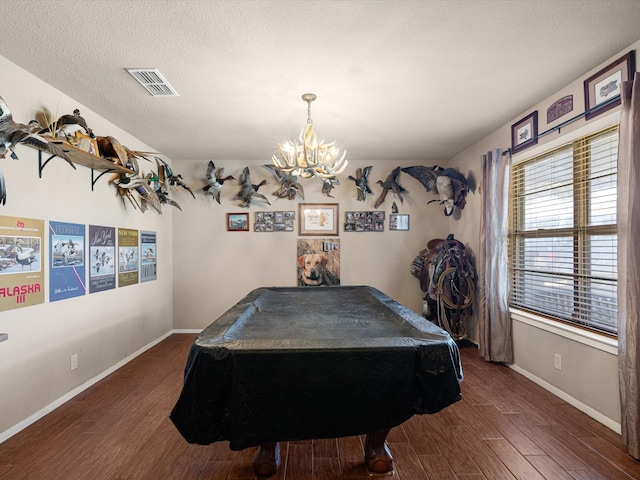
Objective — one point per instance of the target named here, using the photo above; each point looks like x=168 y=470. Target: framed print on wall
x=399 y=221
x=602 y=90
x=318 y=219
x=524 y=133
x=237 y=222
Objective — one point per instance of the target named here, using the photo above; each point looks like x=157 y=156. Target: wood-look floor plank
x=489 y=414
x=300 y=461
x=445 y=437
x=486 y=461
x=504 y=427
x=325 y=448
x=517 y=464
x=548 y=467
x=436 y=467
x=407 y=464
x=326 y=469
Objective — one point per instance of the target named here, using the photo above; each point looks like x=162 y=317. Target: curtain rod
x=571 y=120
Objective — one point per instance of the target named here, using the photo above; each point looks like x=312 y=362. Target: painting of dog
x=318 y=263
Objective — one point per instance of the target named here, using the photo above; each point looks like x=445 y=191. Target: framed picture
x=399 y=221
x=318 y=219
x=524 y=132
x=602 y=90
x=237 y=222
x=364 y=221
x=274 y=221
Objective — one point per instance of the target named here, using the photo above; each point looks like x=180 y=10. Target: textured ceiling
x=395 y=80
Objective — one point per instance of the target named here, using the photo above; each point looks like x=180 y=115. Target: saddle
x=447 y=275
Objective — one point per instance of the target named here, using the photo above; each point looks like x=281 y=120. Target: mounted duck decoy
x=249 y=191
x=328 y=184
x=451 y=185
x=215 y=180
x=288 y=185
x=390 y=184
x=12 y=133
x=362 y=182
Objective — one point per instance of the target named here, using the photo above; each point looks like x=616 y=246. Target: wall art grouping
x=274 y=221
x=22 y=245
x=364 y=221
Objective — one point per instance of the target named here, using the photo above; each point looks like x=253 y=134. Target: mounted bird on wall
x=215 y=180
x=65 y=126
x=170 y=179
x=362 y=182
x=328 y=184
x=288 y=185
x=448 y=183
x=249 y=191
x=162 y=181
x=111 y=149
x=12 y=133
x=390 y=184
x=129 y=183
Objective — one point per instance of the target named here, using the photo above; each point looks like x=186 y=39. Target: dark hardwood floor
x=505 y=427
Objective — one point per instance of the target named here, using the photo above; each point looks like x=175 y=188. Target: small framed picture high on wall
x=524 y=133
x=237 y=222
x=399 y=221
x=602 y=90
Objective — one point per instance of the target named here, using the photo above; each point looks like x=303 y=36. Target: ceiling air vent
x=153 y=81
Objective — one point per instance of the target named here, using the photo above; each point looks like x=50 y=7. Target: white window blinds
x=562 y=240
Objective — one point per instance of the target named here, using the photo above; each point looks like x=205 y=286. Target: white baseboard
x=76 y=391
x=606 y=421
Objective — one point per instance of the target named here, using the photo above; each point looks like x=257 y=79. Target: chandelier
x=306 y=157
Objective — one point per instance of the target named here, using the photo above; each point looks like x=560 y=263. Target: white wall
x=102 y=328
x=213 y=268
x=589 y=376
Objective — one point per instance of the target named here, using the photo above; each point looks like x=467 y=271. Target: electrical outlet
x=74 y=361
x=557 y=361
x=4 y=337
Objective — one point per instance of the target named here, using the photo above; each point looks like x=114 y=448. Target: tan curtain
x=629 y=265
x=494 y=327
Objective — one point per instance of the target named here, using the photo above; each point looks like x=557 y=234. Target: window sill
x=592 y=339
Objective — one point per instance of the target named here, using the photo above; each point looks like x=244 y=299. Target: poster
x=148 y=265
x=102 y=258
x=21 y=271
x=67 y=267
x=318 y=262
x=127 y=257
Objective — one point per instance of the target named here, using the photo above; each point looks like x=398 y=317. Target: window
x=562 y=236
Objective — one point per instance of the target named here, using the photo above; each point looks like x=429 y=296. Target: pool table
x=294 y=363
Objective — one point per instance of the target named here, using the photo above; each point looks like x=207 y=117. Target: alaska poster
x=318 y=262
x=127 y=257
x=148 y=260
x=67 y=277
x=21 y=271
x=102 y=258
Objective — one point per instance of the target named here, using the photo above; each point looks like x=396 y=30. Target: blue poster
x=67 y=264
x=148 y=260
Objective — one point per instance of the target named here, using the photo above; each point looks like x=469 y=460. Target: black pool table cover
x=293 y=363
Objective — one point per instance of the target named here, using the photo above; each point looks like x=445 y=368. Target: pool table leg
x=267 y=459
x=377 y=456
